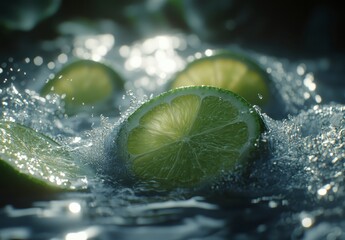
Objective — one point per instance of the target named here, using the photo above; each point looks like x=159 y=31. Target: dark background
x=286 y=28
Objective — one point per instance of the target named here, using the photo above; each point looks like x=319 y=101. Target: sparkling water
x=294 y=189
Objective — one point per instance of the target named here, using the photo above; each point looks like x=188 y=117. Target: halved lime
x=86 y=85
x=230 y=71
x=188 y=136
x=34 y=164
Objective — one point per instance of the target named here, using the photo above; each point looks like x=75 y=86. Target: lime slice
x=86 y=86
x=230 y=71
x=33 y=164
x=188 y=136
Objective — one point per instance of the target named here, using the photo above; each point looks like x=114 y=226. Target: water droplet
x=74 y=207
x=307 y=222
x=51 y=65
x=62 y=58
x=198 y=55
x=301 y=69
x=208 y=52
x=272 y=204
x=318 y=99
x=38 y=61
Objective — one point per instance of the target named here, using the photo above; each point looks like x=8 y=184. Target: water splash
x=312 y=141
x=296 y=186
x=30 y=109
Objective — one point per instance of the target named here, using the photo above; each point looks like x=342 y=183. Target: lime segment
x=230 y=71
x=188 y=136
x=84 y=83
x=32 y=163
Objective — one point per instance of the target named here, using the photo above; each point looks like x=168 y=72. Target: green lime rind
x=229 y=70
x=86 y=86
x=33 y=164
x=188 y=137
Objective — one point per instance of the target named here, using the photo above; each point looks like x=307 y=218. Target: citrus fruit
x=32 y=163
x=188 y=136
x=86 y=86
x=230 y=71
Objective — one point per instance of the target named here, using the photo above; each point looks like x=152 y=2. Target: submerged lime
x=85 y=85
x=230 y=71
x=34 y=164
x=188 y=136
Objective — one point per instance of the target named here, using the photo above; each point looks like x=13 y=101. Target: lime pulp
x=188 y=136
x=230 y=71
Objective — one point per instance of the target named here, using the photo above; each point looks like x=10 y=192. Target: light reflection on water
x=297 y=189
x=74 y=207
x=93 y=47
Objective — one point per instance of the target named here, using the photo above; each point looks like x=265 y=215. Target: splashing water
x=314 y=140
x=28 y=108
x=294 y=189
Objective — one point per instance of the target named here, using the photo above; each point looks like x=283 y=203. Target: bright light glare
x=93 y=47
x=307 y=222
x=165 y=63
x=301 y=69
x=76 y=236
x=322 y=192
x=309 y=82
x=74 y=207
x=164 y=42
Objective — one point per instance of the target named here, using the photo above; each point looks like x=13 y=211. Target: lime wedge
x=188 y=136
x=34 y=164
x=230 y=71
x=86 y=86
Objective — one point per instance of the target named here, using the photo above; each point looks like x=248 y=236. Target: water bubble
x=38 y=61
x=28 y=108
x=74 y=207
x=124 y=51
x=208 y=52
x=198 y=55
x=62 y=58
x=318 y=99
x=322 y=191
x=272 y=204
x=307 y=222
x=51 y=65
x=310 y=149
x=301 y=69
x=309 y=82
